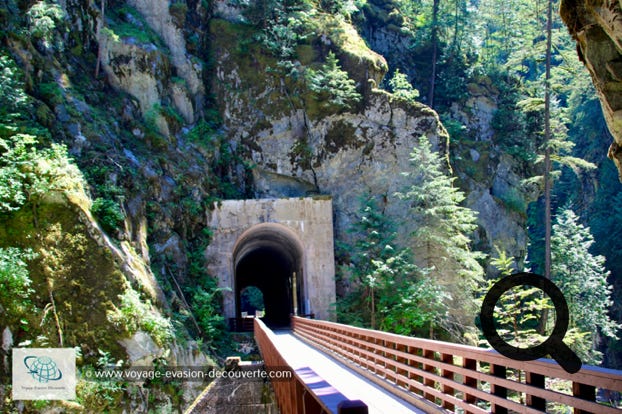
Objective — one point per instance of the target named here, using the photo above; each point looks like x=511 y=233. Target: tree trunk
x=547 y=160
x=435 y=7
x=547 y=149
x=100 y=26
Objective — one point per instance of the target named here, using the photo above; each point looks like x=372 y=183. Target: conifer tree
x=582 y=278
x=440 y=241
x=388 y=291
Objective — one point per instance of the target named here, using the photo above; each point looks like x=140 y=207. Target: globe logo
x=42 y=368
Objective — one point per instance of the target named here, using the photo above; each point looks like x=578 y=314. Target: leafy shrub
x=51 y=93
x=108 y=214
x=43 y=18
x=205 y=305
x=455 y=128
x=134 y=314
x=15 y=283
x=27 y=173
x=13 y=99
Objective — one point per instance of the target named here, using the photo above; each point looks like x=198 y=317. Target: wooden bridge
x=344 y=369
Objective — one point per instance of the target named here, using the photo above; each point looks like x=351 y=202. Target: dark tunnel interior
x=270 y=269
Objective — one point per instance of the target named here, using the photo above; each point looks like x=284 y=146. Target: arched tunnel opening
x=269 y=257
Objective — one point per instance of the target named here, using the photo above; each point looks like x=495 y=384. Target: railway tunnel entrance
x=269 y=256
x=283 y=247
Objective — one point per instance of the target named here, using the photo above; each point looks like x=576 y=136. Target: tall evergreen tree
x=582 y=278
x=440 y=241
x=387 y=290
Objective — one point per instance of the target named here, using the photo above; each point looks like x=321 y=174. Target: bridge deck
x=301 y=356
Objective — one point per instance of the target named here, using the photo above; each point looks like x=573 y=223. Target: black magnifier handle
x=565 y=357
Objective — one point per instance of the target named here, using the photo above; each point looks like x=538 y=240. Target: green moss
x=81 y=276
x=342 y=135
x=306 y=54
x=127 y=22
x=178 y=11
x=51 y=93
x=257 y=68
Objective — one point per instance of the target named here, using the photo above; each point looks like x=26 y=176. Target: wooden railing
x=295 y=396
x=458 y=377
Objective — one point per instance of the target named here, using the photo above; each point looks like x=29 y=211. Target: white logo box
x=44 y=374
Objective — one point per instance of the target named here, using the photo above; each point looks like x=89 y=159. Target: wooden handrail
x=295 y=395
x=453 y=376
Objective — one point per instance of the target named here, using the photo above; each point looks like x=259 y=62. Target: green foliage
x=202 y=133
x=514 y=201
x=27 y=173
x=127 y=22
x=387 y=290
x=283 y=35
x=582 y=278
x=518 y=311
x=108 y=214
x=332 y=86
x=440 y=241
x=43 y=18
x=344 y=8
x=13 y=99
x=251 y=300
x=97 y=394
x=421 y=304
x=402 y=88
x=51 y=93
x=178 y=10
x=455 y=128
x=206 y=308
x=15 y=284
x=135 y=314
x=264 y=13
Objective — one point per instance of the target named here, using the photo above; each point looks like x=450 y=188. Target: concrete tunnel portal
x=260 y=244
x=269 y=256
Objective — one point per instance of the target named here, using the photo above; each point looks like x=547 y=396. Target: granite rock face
x=597 y=28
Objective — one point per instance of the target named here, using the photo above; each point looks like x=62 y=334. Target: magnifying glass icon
x=553 y=345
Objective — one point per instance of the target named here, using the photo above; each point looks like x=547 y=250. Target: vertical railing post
x=585 y=392
x=447 y=390
x=499 y=371
x=535 y=380
x=429 y=354
x=470 y=364
x=400 y=371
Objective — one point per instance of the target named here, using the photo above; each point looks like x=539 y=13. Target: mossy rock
x=341 y=135
x=84 y=278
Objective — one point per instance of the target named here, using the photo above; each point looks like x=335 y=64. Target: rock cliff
x=596 y=27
